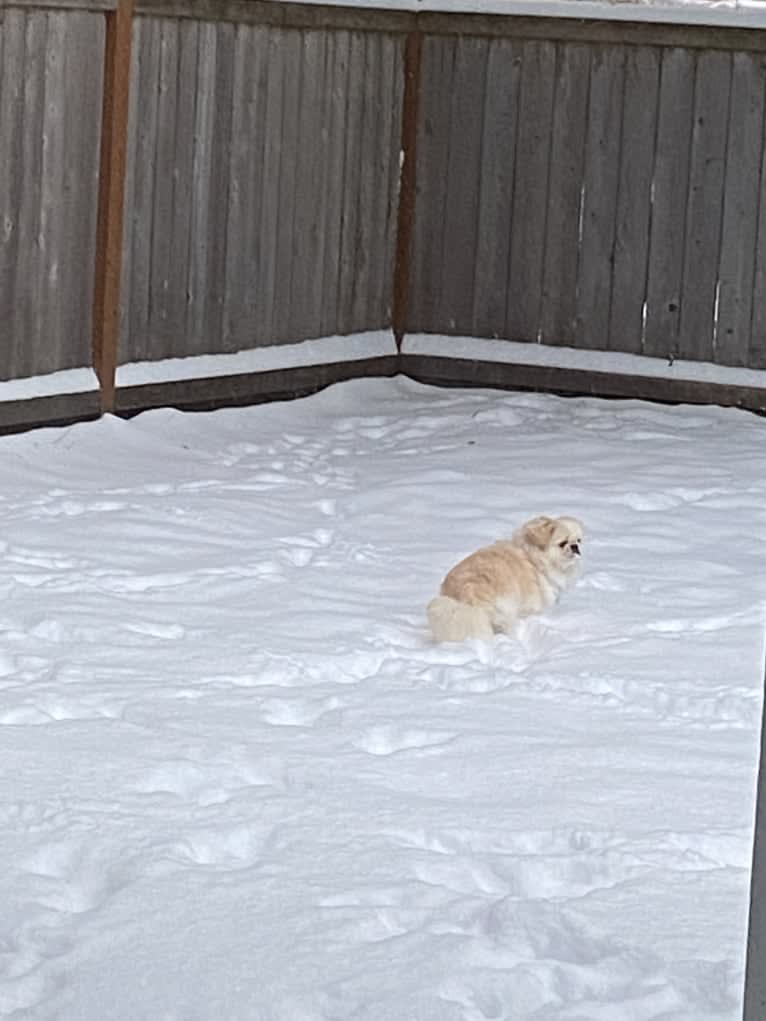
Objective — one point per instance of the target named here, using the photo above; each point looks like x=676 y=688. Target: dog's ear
x=539 y=531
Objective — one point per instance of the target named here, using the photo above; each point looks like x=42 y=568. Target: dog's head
x=560 y=539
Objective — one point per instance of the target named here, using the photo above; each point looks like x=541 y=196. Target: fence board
x=139 y=200
x=339 y=49
x=738 y=231
x=50 y=117
x=163 y=245
x=387 y=203
x=349 y=271
x=757 y=348
x=634 y=199
x=52 y=240
x=601 y=180
x=705 y=205
x=565 y=185
x=12 y=123
x=530 y=194
x=243 y=289
x=498 y=155
x=432 y=157
x=218 y=197
x=126 y=275
x=310 y=190
x=463 y=173
x=29 y=262
x=671 y=180
x=176 y=297
x=246 y=207
x=363 y=271
x=289 y=142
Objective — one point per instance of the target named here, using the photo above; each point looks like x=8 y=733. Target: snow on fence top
x=725 y=14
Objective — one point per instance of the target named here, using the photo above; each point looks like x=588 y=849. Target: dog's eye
x=562 y=545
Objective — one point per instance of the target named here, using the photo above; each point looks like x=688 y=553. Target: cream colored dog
x=492 y=588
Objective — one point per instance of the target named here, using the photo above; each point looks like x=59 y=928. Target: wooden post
x=407 y=187
x=111 y=197
x=755 y=970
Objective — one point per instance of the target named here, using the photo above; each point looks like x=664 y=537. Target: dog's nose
x=575 y=548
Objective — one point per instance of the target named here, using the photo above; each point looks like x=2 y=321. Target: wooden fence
x=599 y=192
x=202 y=176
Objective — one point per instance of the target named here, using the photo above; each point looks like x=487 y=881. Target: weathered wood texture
x=262 y=186
x=51 y=69
x=593 y=194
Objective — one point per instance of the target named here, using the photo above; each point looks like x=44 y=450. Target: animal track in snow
x=236 y=847
x=208 y=783
x=387 y=739
x=296 y=712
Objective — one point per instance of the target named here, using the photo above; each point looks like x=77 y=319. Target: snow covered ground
x=239 y=782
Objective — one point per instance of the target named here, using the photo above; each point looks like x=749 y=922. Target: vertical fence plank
x=338 y=58
x=704 y=208
x=530 y=193
x=51 y=239
x=267 y=251
x=369 y=129
x=310 y=157
x=349 y=272
x=12 y=124
x=389 y=146
x=757 y=348
x=432 y=158
x=601 y=180
x=463 y=173
x=137 y=345
x=740 y=199
x=175 y=299
x=292 y=89
x=162 y=247
x=401 y=210
x=671 y=182
x=131 y=198
x=218 y=196
x=563 y=222
x=634 y=199
x=243 y=289
x=80 y=183
x=24 y=323
x=498 y=156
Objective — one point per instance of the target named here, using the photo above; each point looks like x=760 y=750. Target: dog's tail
x=452 y=621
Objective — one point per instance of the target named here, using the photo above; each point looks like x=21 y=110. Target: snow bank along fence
x=197 y=177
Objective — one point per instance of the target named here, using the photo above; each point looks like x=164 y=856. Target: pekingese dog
x=495 y=586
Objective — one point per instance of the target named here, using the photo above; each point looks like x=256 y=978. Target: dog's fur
x=492 y=588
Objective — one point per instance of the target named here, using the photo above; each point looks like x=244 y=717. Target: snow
x=67 y=381
x=323 y=351
x=519 y=353
x=240 y=782
x=722 y=13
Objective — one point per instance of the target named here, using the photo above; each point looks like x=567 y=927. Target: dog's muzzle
x=575 y=548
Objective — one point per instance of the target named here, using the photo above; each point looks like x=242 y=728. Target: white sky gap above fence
x=736 y=13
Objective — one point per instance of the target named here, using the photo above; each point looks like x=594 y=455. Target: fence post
x=111 y=197
x=755 y=969
x=405 y=225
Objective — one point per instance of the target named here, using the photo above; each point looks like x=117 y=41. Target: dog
x=494 y=587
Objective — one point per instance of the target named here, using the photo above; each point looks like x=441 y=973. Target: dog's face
x=560 y=539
